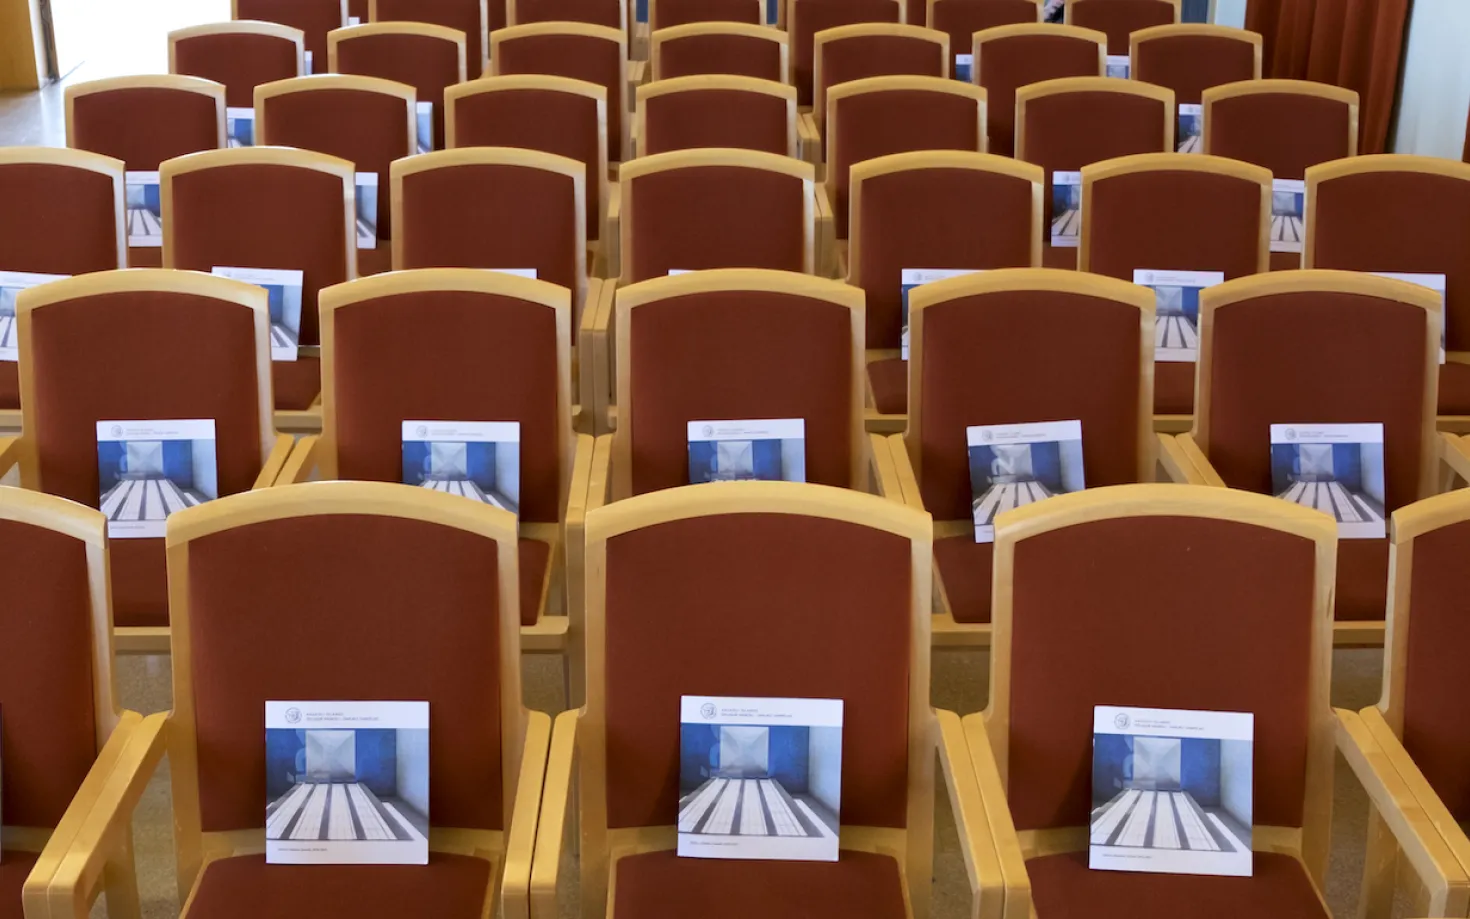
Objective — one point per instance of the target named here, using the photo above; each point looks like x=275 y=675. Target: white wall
x=1235 y=778
x=824 y=766
x=1229 y=13
x=508 y=470
x=413 y=769
x=1436 y=89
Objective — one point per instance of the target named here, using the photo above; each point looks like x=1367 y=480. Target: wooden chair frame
x=1187 y=458
x=651 y=26
x=988 y=732
x=696 y=29
x=1067 y=10
x=583 y=30
x=239 y=27
x=869 y=30
x=930 y=4
x=417 y=29
x=785 y=15
x=512 y=20
x=1038 y=30
x=336 y=82
x=1331 y=93
x=578 y=754
x=235 y=13
x=907 y=459
x=1025 y=94
x=1194 y=30
x=175 y=82
x=485 y=33
x=717 y=83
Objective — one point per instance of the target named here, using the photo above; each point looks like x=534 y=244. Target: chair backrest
x=1286 y=126
x=493 y=207
x=189 y=346
x=1392 y=212
x=961 y=19
x=427 y=57
x=850 y=577
x=1006 y=58
x=1134 y=215
x=552 y=114
x=1252 y=376
x=685 y=345
x=1192 y=57
x=716 y=208
x=238 y=55
x=385 y=360
x=64 y=211
x=805 y=18
x=315 y=18
x=716 y=110
x=475 y=18
x=874 y=49
x=1087 y=612
x=735 y=48
x=664 y=14
x=883 y=115
x=367 y=121
x=610 y=13
x=387 y=552
x=263 y=207
x=596 y=54
x=56 y=687
x=971 y=337
x=144 y=120
x=1121 y=18
x=937 y=209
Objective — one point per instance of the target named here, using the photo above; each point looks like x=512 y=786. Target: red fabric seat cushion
x=448 y=886
x=534 y=556
x=14 y=868
x=1454 y=388
x=1362 y=579
x=1062 y=886
x=859 y=885
x=1174 y=388
x=139 y=582
x=890 y=381
x=297 y=383
x=964 y=567
x=1286 y=261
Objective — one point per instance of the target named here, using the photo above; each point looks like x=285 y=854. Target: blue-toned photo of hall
x=486 y=471
x=754 y=780
x=150 y=479
x=347 y=785
x=1180 y=793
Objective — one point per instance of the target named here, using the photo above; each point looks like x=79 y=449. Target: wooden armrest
x=106 y=828
x=809 y=139
x=275 y=461
x=885 y=476
x=977 y=846
x=826 y=235
x=595 y=353
x=1382 y=775
x=1186 y=462
x=1456 y=455
x=1007 y=844
x=301 y=463
x=10 y=448
x=599 y=479
x=904 y=470
x=520 y=841
x=612 y=245
x=637 y=73
x=556 y=802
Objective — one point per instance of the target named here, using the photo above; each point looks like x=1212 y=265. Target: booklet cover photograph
x=1066 y=209
x=11 y=284
x=1012 y=465
x=1191 y=128
x=1335 y=468
x=145 y=209
x=149 y=469
x=479 y=460
x=367 y=210
x=1176 y=310
x=772 y=450
x=760 y=778
x=1288 y=214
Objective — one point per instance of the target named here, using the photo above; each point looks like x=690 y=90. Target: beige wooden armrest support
x=1002 y=830
x=594 y=350
x=275 y=462
x=885 y=474
x=612 y=246
x=520 y=842
x=1194 y=465
x=1455 y=453
x=9 y=453
x=1176 y=463
x=107 y=826
x=302 y=462
x=809 y=140
x=904 y=470
x=1382 y=775
x=826 y=230
x=637 y=76
x=982 y=865
x=556 y=802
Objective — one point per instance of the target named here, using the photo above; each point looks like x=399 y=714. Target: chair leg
x=1379 y=870
x=120 y=879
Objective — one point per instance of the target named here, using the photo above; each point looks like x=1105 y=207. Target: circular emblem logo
x=987 y=436
x=117 y=430
x=707 y=709
x=1291 y=433
x=709 y=430
x=1121 y=719
x=423 y=430
x=293 y=716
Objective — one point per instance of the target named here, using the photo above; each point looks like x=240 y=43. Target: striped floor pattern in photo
x=1007 y=497
x=467 y=488
x=748 y=807
x=1159 y=820
x=1287 y=229
x=147 y=499
x=1069 y=224
x=1332 y=498
x=1175 y=332
x=9 y=331
x=339 y=811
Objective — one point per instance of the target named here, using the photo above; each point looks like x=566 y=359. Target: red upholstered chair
x=1175 y=212
x=238 y=55
x=1192 y=57
x=596 y=54
x=843 y=578
x=1005 y=58
x=1404 y=214
x=930 y=209
x=1287 y=126
x=186 y=346
x=1253 y=373
x=961 y=19
x=716 y=110
x=1121 y=18
x=367 y=121
x=64 y=216
x=315 y=18
x=665 y=14
x=378 y=556
x=253 y=207
x=805 y=18
x=1065 y=124
x=475 y=18
x=971 y=338
x=720 y=47
x=1088 y=612
x=144 y=120
x=873 y=49
x=612 y=14
x=64 y=731
x=1409 y=750
x=427 y=57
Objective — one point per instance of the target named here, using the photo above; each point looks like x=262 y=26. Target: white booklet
x=1190 y=136
x=424 y=115
x=1119 y=65
x=1066 y=209
x=964 y=65
x=759 y=778
x=1436 y=283
x=309 y=68
x=908 y=279
x=240 y=127
x=367 y=210
x=1176 y=309
x=1288 y=215
x=346 y=783
x=1171 y=791
x=1334 y=468
x=1012 y=465
x=149 y=469
x=11 y=284
x=284 y=290
x=476 y=459
x=518 y=272
x=771 y=449
x=145 y=210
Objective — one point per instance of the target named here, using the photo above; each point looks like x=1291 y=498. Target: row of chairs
x=1150 y=595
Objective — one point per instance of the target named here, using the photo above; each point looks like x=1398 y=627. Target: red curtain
x=1351 y=43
